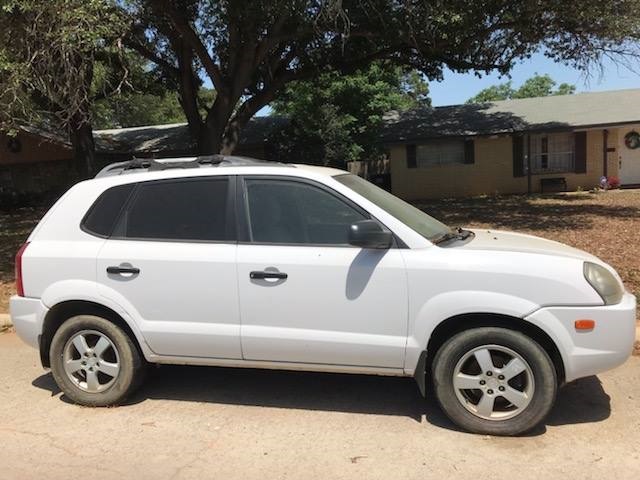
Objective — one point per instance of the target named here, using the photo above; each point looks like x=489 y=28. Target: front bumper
x=27 y=315
x=608 y=345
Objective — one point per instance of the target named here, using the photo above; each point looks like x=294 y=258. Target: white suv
x=233 y=262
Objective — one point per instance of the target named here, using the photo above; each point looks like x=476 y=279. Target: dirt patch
x=15 y=227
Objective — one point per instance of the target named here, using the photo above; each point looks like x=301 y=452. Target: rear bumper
x=27 y=315
x=608 y=345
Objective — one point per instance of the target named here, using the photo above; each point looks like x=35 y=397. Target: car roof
x=139 y=165
x=140 y=170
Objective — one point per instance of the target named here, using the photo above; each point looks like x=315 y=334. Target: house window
x=440 y=152
x=552 y=153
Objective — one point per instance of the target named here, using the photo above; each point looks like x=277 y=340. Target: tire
x=458 y=364
x=113 y=366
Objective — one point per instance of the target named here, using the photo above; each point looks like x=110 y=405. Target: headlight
x=603 y=282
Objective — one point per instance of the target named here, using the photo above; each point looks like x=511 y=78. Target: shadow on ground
x=523 y=212
x=583 y=401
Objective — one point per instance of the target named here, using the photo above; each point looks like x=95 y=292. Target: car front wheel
x=94 y=362
x=494 y=381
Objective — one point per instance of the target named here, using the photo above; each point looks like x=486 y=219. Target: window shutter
x=411 y=156
x=469 y=151
x=518 y=155
x=580 y=152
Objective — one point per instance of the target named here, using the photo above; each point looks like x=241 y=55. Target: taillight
x=19 y=284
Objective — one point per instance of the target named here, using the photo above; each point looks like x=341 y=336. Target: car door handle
x=119 y=269
x=262 y=275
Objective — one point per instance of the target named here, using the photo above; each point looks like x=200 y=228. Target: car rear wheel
x=494 y=381
x=94 y=362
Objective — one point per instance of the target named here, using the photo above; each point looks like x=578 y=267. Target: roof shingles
x=540 y=113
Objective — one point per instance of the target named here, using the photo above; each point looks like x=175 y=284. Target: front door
x=171 y=263
x=306 y=296
x=629 y=156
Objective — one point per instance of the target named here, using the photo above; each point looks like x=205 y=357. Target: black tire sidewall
x=130 y=361
x=544 y=375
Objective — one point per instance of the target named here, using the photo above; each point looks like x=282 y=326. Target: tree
x=144 y=96
x=137 y=109
x=335 y=118
x=542 y=86
x=536 y=86
x=250 y=51
x=48 y=55
x=502 y=91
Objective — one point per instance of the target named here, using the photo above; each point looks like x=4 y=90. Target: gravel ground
x=197 y=422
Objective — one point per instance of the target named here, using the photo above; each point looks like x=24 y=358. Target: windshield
x=425 y=225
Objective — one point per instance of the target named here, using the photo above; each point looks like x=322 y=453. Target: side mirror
x=369 y=234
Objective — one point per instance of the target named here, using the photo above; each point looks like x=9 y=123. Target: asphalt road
x=197 y=422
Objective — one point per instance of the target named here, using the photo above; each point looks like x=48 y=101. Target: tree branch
x=188 y=88
x=189 y=35
x=149 y=55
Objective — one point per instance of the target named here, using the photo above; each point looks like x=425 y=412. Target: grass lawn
x=605 y=224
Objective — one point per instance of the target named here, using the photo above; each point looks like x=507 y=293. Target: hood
x=519 y=242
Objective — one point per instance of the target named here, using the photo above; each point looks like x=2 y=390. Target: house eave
x=532 y=129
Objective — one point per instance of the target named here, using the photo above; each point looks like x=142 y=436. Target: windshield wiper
x=455 y=234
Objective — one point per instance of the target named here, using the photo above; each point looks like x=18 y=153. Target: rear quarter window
x=103 y=214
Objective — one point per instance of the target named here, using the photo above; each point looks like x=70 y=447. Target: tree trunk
x=231 y=137
x=209 y=140
x=84 y=152
x=211 y=136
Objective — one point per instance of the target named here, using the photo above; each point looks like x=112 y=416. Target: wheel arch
x=458 y=323
x=62 y=311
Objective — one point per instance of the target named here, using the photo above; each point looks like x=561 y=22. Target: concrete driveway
x=196 y=422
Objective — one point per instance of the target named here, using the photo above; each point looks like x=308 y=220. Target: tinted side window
x=177 y=210
x=282 y=211
x=102 y=216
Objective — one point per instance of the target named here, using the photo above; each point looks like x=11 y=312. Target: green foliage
x=542 y=86
x=132 y=92
x=143 y=107
x=336 y=118
x=137 y=109
x=47 y=55
x=502 y=91
x=536 y=86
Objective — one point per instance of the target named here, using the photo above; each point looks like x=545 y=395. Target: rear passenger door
x=170 y=262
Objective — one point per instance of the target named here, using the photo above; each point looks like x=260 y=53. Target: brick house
x=37 y=164
x=32 y=162
x=515 y=146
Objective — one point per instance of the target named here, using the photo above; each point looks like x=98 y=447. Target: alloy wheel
x=91 y=361
x=493 y=382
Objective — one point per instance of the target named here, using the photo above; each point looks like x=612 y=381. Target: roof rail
x=151 y=164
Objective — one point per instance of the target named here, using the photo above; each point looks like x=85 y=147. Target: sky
x=457 y=88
